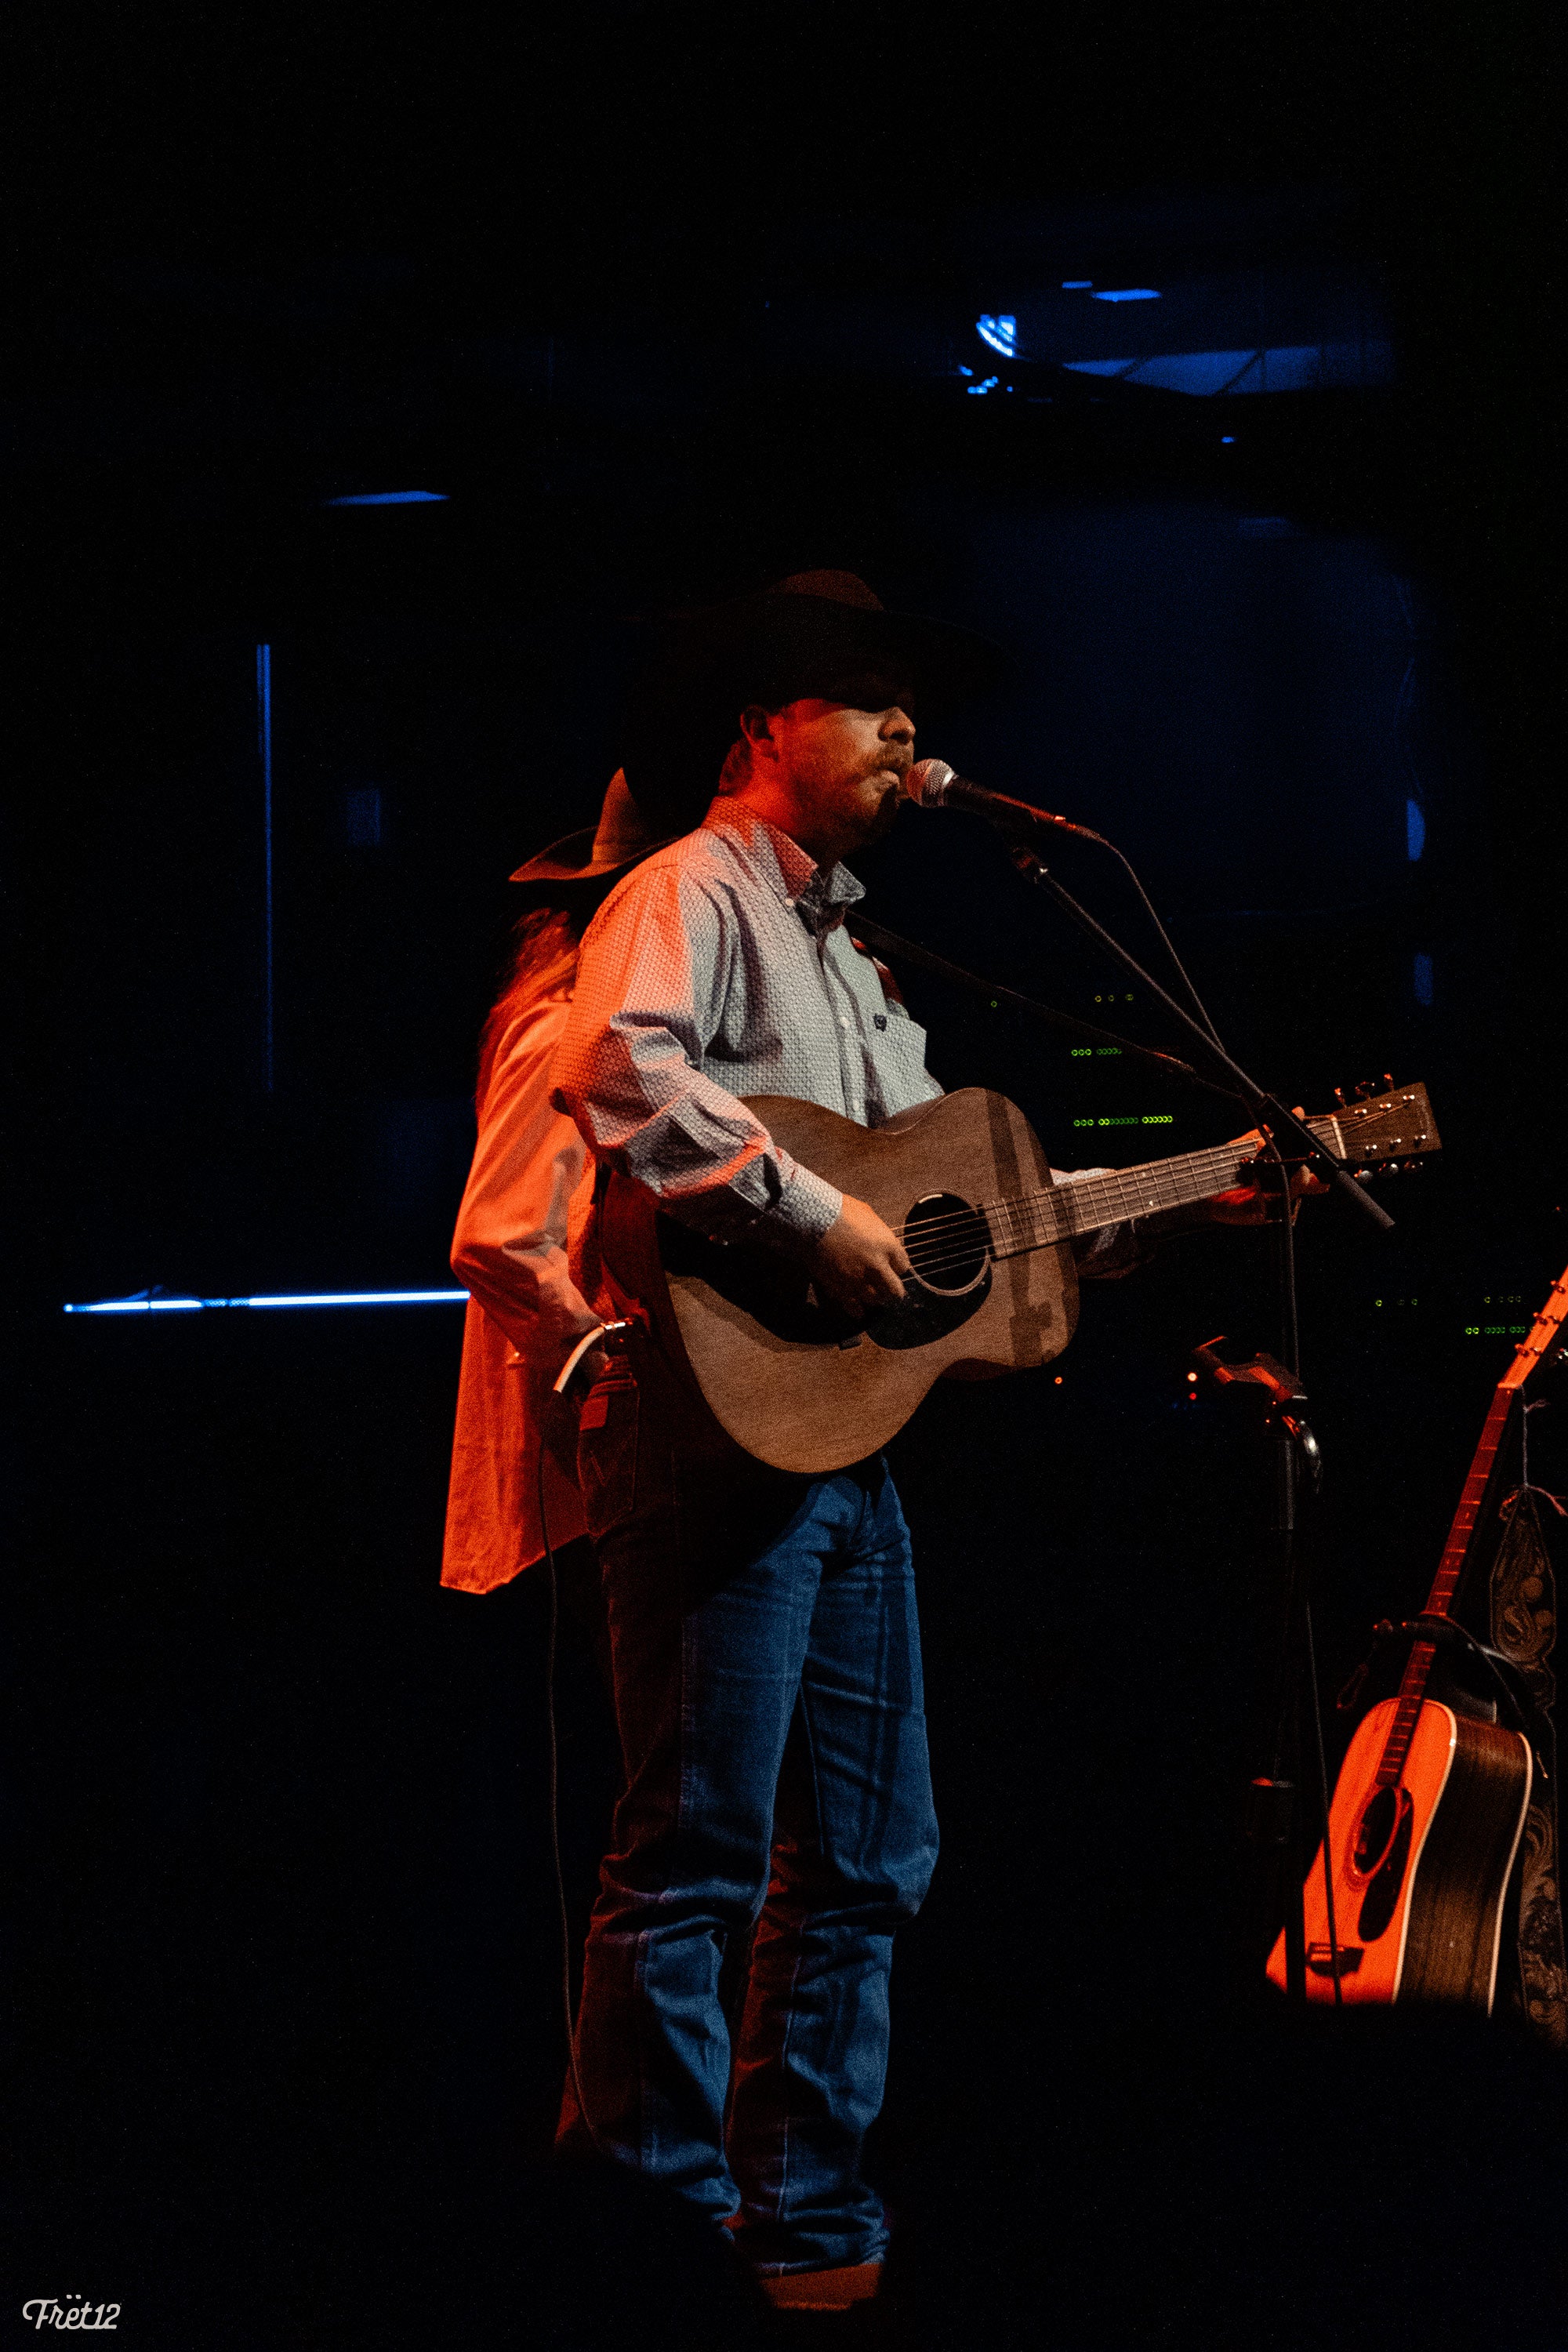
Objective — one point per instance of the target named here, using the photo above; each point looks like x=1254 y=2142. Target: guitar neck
x=1445 y=1584
x=1376 y=1129
x=1089 y=1203
x=1456 y=1551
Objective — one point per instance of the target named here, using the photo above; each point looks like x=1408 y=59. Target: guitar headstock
x=1543 y=1335
x=1373 y=1130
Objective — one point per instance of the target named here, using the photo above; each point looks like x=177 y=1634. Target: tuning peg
x=1364 y=1087
x=1340 y=1097
x=1388 y=1082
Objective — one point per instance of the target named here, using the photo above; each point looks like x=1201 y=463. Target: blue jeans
x=766 y=1659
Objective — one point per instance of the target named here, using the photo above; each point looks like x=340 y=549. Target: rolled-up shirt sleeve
x=510 y=1246
x=651 y=979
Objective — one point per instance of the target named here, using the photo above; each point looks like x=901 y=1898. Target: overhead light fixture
x=1001 y=333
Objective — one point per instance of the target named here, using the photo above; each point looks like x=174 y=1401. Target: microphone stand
x=1275 y=1815
x=1266 y=1108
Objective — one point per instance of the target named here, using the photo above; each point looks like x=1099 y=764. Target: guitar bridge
x=1321 y=1959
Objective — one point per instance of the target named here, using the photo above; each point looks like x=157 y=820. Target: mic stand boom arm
x=1266 y=1108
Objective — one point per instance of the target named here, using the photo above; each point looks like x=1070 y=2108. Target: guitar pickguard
x=778 y=1293
x=922 y=1315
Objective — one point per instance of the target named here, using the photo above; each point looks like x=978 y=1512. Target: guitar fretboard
x=1375 y=1130
x=1456 y=1551
x=1033 y=1220
x=1445 y=1584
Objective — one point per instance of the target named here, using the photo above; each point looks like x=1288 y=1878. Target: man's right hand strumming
x=859 y=1263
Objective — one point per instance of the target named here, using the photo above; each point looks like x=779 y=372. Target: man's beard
x=886 y=815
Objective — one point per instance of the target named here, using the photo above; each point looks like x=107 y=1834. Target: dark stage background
x=655 y=307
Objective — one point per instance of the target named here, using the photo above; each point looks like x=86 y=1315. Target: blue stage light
x=144 y=1306
x=153 y=1302
x=1226 y=440
x=1001 y=333
x=357 y=1298
x=990 y=384
x=1131 y=294
x=1077 y=285
x=1414 y=830
x=391 y=498
x=264 y=747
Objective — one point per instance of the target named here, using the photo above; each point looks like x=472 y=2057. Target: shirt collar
x=818 y=894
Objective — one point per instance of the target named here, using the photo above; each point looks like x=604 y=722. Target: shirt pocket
x=608 y=1452
x=898 y=1055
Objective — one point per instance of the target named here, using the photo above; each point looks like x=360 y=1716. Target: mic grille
x=928 y=782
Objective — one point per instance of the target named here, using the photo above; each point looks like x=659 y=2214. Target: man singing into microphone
x=764 y=1637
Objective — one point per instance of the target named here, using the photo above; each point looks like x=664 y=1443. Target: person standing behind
x=523 y=1228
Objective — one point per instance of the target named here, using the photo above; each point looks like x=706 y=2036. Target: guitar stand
x=1274 y=1816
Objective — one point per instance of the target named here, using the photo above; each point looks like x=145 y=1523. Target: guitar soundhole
x=1374 y=1832
x=948 y=1245
x=1378 y=1858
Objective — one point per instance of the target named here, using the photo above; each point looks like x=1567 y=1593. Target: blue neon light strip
x=1130 y=294
x=392 y=499
x=148 y=1304
x=1414 y=830
x=264 y=728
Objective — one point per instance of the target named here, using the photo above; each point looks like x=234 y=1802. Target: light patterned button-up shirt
x=721 y=968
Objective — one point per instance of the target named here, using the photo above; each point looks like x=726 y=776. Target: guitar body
x=794 y=1382
x=1420 y=1870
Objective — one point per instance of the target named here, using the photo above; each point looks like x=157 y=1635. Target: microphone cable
x=1199 y=1007
x=991 y=805
x=1291 y=1336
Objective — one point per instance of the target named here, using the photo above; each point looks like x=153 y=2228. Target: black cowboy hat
x=816 y=633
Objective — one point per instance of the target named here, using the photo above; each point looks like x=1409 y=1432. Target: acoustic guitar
x=989 y=1232
x=1429 y=1804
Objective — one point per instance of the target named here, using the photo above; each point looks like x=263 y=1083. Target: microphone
x=932 y=784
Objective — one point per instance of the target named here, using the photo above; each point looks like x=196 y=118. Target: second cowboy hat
x=815 y=633
x=582 y=864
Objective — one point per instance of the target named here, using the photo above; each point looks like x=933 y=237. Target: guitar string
x=1124 y=1191
x=1113 y=1179
x=999 y=1233
x=1169 y=1175
x=1118 y=1184
x=1163 y=1173
x=1025 y=1221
